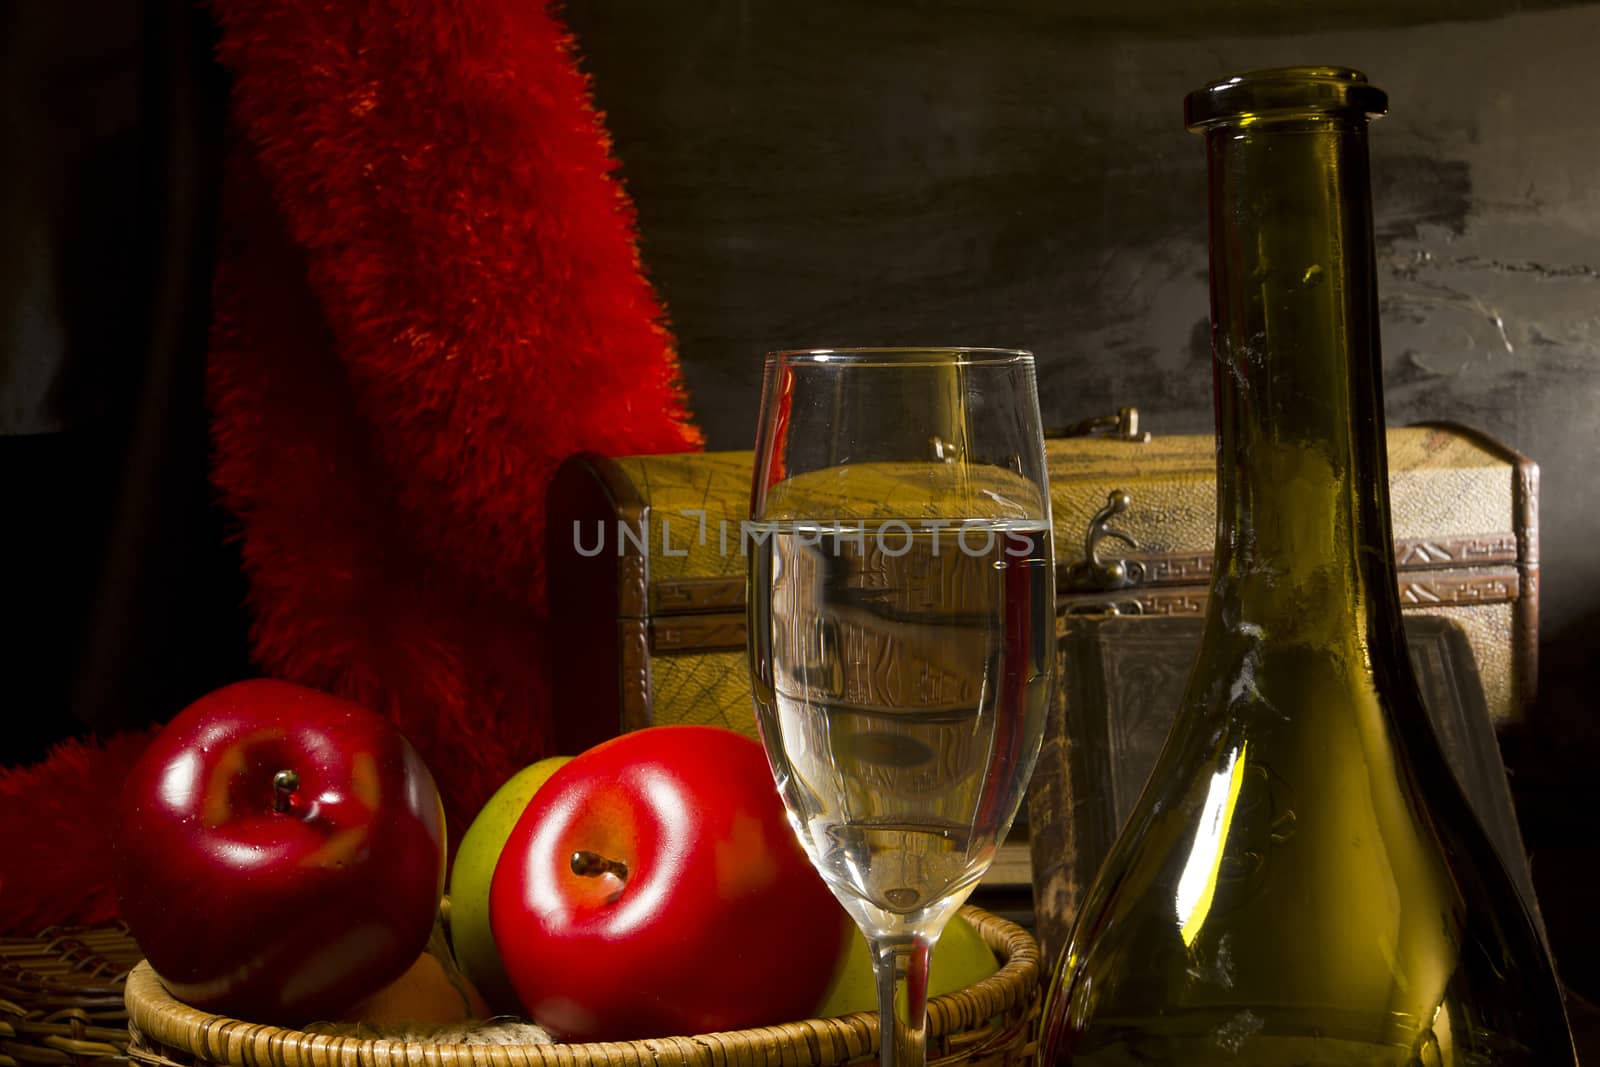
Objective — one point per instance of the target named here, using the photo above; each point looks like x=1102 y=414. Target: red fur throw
x=55 y=833
x=428 y=295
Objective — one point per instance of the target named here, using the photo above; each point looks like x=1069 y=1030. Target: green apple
x=959 y=959
x=470 y=937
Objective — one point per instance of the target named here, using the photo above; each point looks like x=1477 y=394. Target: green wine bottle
x=1301 y=883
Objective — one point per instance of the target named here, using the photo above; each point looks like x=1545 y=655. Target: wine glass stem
x=901 y=968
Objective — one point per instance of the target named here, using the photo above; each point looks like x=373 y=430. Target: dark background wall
x=121 y=598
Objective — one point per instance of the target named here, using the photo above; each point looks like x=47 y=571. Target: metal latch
x=1123 y=426
x=1093 y=574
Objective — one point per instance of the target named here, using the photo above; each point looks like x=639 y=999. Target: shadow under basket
x=988 y=1023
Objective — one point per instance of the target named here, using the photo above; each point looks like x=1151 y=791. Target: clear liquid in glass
x=902 y=676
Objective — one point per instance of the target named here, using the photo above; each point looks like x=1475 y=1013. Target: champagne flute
x=902 y=624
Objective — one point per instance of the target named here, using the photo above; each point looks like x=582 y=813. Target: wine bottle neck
x=1303 y=534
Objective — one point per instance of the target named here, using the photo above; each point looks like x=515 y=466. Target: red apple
x=280 y=853
x=653 y=887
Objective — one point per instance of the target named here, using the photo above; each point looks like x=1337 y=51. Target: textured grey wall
x=1016 y=173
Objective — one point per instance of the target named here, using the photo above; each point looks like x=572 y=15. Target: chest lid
x=1457 y=499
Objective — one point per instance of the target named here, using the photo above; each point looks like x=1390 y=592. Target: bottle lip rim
x=1284 y=92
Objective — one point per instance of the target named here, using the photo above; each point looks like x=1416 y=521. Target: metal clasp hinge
x=1093 y=574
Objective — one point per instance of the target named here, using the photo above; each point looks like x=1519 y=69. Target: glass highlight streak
x=1198 y=885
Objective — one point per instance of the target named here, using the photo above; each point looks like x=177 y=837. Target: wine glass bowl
x=901 y=599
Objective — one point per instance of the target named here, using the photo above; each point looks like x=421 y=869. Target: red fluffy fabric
x=56 y=833
x=428 y=295
x=440 y=171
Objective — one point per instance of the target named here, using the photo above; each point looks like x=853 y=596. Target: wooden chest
x=647 y=568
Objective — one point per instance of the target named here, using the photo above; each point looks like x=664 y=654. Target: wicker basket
x=989 y=1023
x=61 y=996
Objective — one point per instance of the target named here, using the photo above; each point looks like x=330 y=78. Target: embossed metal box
x=647 y=565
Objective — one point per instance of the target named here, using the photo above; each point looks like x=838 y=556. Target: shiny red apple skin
x=279 y=916
x=720 y=924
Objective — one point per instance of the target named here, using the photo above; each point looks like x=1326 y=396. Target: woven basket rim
x=155 y=1014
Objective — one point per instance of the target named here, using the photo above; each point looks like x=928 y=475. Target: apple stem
x=592 y=865
x=284 y=783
